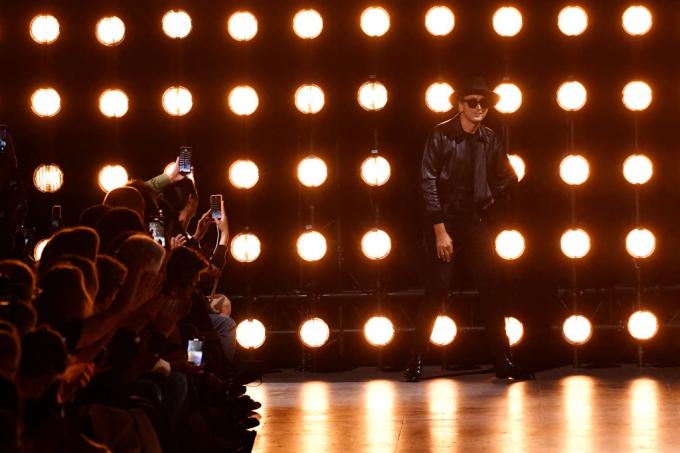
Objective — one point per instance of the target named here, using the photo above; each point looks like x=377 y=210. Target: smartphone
x=4 y=133
x=57 y=221
x=195 y=351
x=157 y=230
x=216 y=207
x=185 y=160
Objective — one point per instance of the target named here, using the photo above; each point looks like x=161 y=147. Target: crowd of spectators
x=94 y=334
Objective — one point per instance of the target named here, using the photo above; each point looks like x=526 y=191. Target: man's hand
x=174 y=173
x=444 y=243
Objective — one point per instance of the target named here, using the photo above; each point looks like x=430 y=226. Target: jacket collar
x=456 y=132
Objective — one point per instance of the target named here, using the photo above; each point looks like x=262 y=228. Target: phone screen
x=3 y=138
x=185 y=160
x=157 y=232
x=195 y=351
x=216 y=207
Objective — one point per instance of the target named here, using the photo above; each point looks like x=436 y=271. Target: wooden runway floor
x=623 y=409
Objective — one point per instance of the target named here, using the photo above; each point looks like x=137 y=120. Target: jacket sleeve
x=430 y=168
x=158 y=183
x=504 y=175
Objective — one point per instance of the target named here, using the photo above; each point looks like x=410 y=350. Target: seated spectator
x=111 y=274
x=90 y=217
x=80 y=241
x=17 y=281
x=126 y=197
x=115 y=222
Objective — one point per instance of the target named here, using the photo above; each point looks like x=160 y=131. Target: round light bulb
x=637 y=96
x=572 y=96
x=575 y=243
x=375 y=171
x=251 y=334
x=110 y=31
x=312 y=171
x=244 y=174
x=38 y=249
x=176 y=24
x=314 y=332
x=514 y=329
x=379 y=331
x=640 y=243
x=638 y=169
x=643 y=325
x=518 y=166
x=440 y=21
x=44 y=29
x=444 y=331
x=572 y=20
x=177 y=101
x=112 y=177
x=637 y=20
x=309 y=99
x=507 y=21
x=577 y=330
x=245 y=247
x=242 y=26
x=113 y=103
x=243 y=100
x=308 y=24
x=45 y=102
x=574 y=170
x=376 y=244
x=48 y=178
x=372 y=96
x=510 y=244
x=311 y=246
x=375 y=21
x=438 y=97
x=510 y=98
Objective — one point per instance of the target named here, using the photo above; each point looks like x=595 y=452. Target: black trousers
x=473 y=243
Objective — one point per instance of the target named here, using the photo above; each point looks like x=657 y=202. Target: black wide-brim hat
x=474 y=85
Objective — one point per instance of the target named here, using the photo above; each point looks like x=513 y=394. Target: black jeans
x=473 y=243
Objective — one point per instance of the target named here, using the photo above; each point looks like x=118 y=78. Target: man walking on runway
x=464 y=171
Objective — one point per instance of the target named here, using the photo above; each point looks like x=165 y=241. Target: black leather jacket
x=441 y=170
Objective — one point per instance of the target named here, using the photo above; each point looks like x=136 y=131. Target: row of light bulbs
x=243 y=100
x=379 y=331
x=374 y=22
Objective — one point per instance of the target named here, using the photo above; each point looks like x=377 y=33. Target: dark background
x=407 y=60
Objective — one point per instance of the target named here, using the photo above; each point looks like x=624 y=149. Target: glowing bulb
x=112 y=176
x=574 y=170
x=637 y=20
x=640 y=243
x=44 y=29
x=572 y=96
x=518 y=165
x=314 y=332
x=577 y=330
x=245 y=247
x=312 y=171
x=511 y=98
x=379 y=331
x=177 y=101
x=372 y=96
x=110 y=31
x=507 y=21
x=572 y=20
x=375 y=170
x=48 y=178
x=444 y=331
x=242 y=26
x=244 y=174
x=575 y=243
x=308 y=24
x=376 y=244
x=176 y=24
x=638 y=169
x=311 y=246
x=38 y=249
x=439 y=20
x=309 y=99
x=251 y=334
x=438 y=97
x=45 y=102
x=637 y=96
x=514 y=329
x=643 y=325
x=375 y=21
x=243 y=100
x=113 y=103
x=510 y=244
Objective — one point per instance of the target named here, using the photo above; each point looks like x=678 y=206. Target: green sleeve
x=158 y=183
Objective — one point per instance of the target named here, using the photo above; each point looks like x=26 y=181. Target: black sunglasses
x=473 y=103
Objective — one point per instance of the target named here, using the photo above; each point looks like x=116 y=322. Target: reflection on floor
x=564 y=410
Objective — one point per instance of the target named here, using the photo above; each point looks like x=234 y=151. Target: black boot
x=414 y=371
x=507 y=368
